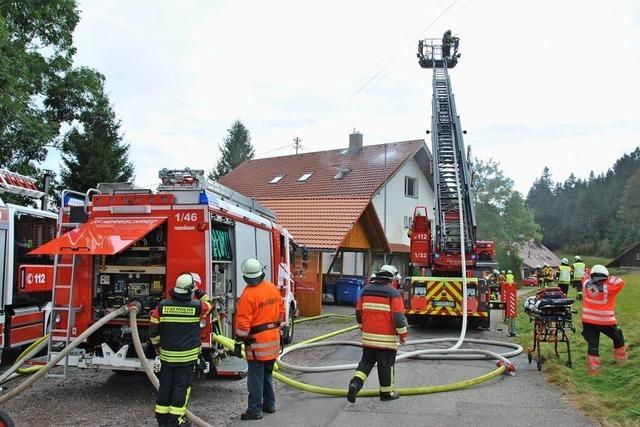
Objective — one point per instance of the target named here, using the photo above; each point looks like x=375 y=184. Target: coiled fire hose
x=133 y=313
x=503 y=364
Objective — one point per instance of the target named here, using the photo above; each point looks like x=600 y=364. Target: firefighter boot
x=390 y=395
x=621 y=355
x=593 y=365
x=354 y=387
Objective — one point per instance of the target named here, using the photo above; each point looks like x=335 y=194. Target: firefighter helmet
x=252 y=271
x=502 y=272
x=185 y=283
x=538 y=266
x=577 y=258
x=509 y=272
x=600 y=272
x=387 y=272
x=564 y=261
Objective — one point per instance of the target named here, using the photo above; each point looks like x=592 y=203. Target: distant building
x=350 y=207
x=534 y=254
x=629 y=258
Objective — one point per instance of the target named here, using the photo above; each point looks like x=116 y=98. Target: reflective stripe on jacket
x=598 y=301
x=175 y=326
x=564 y=275
x=380 y=313
x=578 y=270
x=260 y=304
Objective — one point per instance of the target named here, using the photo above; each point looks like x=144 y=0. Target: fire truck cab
x=25 y=280
x=132 y=245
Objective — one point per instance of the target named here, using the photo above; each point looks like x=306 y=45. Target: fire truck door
x=251 y=242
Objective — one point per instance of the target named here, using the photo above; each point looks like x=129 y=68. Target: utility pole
x=296 y=144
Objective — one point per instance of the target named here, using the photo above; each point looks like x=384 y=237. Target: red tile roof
x=318 y=223
x=369 y=169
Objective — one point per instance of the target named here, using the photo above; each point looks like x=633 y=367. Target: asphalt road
x=522 y=400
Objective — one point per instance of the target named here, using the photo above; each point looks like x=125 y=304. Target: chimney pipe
x=355 y=142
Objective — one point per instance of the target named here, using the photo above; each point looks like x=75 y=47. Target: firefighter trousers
x=385 y=359
x=564 y=287
x=173 y=394
x=591 y=334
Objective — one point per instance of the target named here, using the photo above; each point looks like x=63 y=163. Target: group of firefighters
x=379 y=311
x=567 y=275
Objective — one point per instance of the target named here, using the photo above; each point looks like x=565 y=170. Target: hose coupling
x=135 y=305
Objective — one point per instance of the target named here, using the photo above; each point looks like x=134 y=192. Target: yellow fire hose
x=328 y=391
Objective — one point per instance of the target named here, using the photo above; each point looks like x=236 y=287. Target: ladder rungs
x=62 y=286
x=65 y=265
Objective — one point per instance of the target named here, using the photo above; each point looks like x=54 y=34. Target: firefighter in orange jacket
x=174 y=331
x=380 y=313
x=259 y=314
x=598 y=316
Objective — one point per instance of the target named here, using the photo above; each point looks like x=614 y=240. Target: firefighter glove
x=201 y=295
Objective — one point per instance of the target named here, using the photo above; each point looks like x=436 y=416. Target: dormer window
x=276 y=179
x=305 y=176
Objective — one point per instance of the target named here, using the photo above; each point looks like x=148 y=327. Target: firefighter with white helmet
x=259 y=314
x=577 y=274
x=380 y=313
x=564 y=275
x=174 y=331
x=598 y=316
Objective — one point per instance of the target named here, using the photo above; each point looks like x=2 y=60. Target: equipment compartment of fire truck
x=439 y=243
x=133 y=244
x=25 y=280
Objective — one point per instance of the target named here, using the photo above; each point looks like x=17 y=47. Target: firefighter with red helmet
x=380 y=313
x=598 y=316
x=174 y=331
x=259 y=315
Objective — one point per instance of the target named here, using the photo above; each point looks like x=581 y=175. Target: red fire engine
x=25 y=280
x=130 y=243
x=437 y=289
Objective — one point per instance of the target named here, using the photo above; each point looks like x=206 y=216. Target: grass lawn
x=590 y=261
x=613 y=397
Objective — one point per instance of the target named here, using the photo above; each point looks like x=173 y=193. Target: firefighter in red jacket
x=599 y=295
x=380 y=313
x=174 y=331
x=259 y=314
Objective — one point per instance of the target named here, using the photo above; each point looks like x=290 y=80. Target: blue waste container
x=348 y=290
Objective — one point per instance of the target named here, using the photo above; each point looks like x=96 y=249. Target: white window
x=638 y=256
x=276 y=179
x=410 y=187
x=408 y=220
x=305 y=177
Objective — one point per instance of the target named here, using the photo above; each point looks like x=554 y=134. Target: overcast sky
x=539 y=83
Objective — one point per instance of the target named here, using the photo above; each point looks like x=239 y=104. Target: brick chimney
x=355 y=142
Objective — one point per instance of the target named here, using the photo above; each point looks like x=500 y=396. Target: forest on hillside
x=599 y=215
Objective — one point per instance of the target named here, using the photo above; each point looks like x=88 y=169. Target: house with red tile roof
x=350 y=207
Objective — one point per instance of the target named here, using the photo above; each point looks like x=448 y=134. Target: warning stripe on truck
x=442 y=298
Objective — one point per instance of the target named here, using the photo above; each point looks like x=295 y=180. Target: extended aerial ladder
x=440 y=244
x=451 y=168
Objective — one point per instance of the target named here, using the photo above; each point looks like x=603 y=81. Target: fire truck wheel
x=288 y=329
x=5 y=420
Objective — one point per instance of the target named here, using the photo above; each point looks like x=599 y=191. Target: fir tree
x=235 y=149
x=93 y=150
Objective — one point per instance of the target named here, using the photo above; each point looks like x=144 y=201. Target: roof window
x=305 y=176
x=276 y=179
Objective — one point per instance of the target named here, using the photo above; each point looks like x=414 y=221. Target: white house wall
x=398 y=205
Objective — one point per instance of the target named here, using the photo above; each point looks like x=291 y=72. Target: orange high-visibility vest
x=598 y=303
x=259 y=312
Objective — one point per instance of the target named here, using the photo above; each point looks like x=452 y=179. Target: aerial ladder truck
x=440 y=240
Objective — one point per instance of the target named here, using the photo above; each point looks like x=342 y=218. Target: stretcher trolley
x=551 y=314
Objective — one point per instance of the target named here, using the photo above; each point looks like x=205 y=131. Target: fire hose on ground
x=504 y=365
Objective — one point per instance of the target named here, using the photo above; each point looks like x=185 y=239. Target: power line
x=345 y=105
